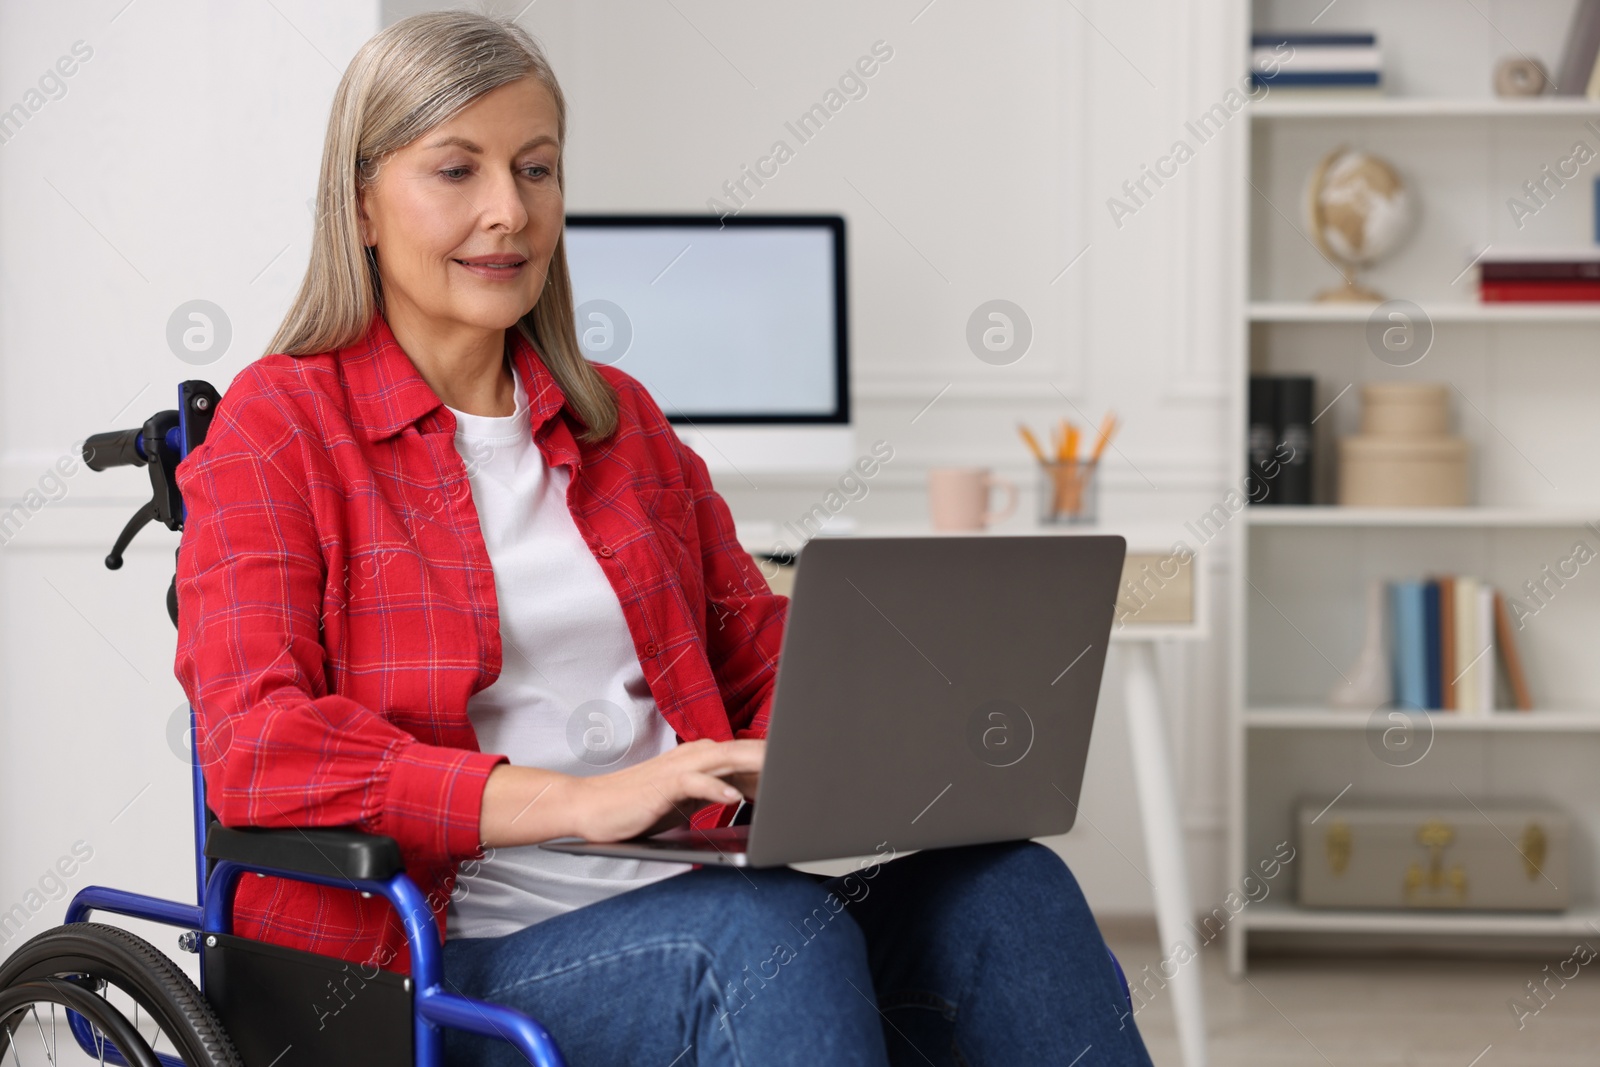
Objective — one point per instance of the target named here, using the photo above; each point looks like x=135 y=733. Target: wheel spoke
x=33 y=1009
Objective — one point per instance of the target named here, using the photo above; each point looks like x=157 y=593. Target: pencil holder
x=1067 y=492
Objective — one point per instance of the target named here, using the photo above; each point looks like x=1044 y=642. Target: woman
x=446 y=581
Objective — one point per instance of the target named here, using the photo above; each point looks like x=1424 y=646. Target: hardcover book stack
x=1280 y=441
x=1454 y=647
x=1317 y=64
x=1551 y=275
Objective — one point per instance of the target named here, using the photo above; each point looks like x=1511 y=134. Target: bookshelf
x=1525 y=391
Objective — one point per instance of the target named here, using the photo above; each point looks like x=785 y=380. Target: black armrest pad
x=331 y=853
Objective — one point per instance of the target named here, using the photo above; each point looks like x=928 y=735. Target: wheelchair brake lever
x=160 y=445
x=140 y=519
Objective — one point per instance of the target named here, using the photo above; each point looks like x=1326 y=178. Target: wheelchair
x=262 y=1005
x=257 y=1004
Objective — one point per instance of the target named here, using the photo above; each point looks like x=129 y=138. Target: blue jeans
x=982 y=956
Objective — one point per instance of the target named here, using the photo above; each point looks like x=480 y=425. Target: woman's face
x=480 y=187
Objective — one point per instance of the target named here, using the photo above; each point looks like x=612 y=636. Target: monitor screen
x=737 y=320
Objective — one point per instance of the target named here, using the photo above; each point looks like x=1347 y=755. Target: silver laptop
x=931 y=692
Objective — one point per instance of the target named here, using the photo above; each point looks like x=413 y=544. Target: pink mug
x=958 y=498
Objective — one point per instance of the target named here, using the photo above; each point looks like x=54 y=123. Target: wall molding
x=911 y=388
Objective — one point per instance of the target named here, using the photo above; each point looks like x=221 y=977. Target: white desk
x=1159 y=808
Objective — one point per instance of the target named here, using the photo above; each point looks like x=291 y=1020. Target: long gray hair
x=407 y=79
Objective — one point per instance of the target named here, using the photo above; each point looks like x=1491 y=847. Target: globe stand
x=1351 y=292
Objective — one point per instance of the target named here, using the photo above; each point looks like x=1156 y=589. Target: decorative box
x=1492 y=857
x=1404 y=455
x=1376 y=472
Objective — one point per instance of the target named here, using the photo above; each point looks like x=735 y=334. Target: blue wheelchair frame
x=433 y=1006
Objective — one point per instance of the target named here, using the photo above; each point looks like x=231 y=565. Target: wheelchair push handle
x=121 y=448
x=159 y=445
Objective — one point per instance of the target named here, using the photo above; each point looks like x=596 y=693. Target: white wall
x=176 y=166
x=976 y=167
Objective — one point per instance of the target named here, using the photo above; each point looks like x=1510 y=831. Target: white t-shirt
x=571 y=696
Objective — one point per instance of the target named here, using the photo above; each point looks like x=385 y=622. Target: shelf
x=1444 y=311
x=1529 y=384
x=1552 y=107
x=1264 y=916
x=1532 y=517
x=1322 y=718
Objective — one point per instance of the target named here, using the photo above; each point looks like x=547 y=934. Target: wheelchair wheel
x=104 y=991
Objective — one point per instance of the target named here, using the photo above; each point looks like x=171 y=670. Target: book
x=1485 y=664
x=1269 y=39
x=1261 y=441
x=1541 y=270
x=1447 y=643
x=1411 y=679
x=1540 y=254
x=1293 y=436
x=1582 y=47
x=1553 y=291
x=1521 y=699
x=1466 y=603
x=1325 y=93
x=1338 y=79
x=1431 y=644
x=1392 y=630
x=1316 y=58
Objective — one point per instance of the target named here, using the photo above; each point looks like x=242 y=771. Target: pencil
x=1108 y=426
x=1033 y=443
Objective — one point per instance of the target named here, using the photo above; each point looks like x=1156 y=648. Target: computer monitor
x=737 y=326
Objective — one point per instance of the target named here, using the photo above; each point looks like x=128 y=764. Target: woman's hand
x=664 y=791
x=526 y=805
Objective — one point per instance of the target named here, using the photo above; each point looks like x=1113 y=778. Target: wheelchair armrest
x=333 y=853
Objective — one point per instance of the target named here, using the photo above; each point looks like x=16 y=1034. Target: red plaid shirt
x=337 y=608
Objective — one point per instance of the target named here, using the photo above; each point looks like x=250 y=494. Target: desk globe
x=1358 y=211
